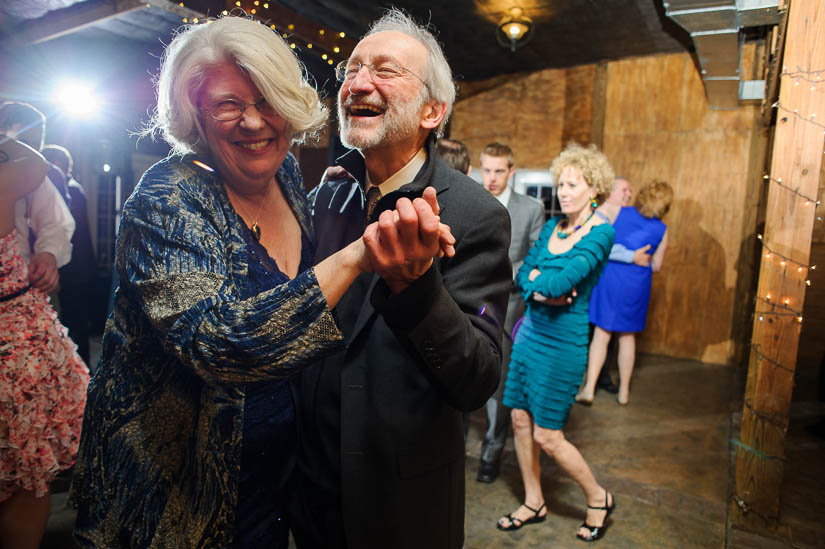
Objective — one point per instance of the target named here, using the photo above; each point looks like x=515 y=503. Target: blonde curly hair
x=654 y=199
x=591 y=163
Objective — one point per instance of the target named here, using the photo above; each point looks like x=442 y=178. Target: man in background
x=526 y=220
x=43 y=222
x=455 y=154
x=76 y=276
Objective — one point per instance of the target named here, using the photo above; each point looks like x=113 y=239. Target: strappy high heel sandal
x=597 y=532
x=516 y=523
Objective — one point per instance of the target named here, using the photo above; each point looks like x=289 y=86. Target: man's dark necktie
x=373 y=196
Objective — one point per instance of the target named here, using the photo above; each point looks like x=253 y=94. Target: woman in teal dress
x=550 y=348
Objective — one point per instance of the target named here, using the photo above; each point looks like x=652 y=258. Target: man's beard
x=399 y=122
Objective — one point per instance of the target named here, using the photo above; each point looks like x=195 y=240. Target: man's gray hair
x=439 y=77
x=257 y=51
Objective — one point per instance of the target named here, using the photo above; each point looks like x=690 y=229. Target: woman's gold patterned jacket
x=159 y=457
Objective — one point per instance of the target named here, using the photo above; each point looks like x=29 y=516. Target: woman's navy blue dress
x=269 y=437
x=550 y=348
x=620 y=299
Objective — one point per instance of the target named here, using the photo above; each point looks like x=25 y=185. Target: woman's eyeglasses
x=232 y=109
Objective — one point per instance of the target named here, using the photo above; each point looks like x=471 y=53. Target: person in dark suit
x=455 y=154
x=526 y=220
x=75 y=277
x=381 y=458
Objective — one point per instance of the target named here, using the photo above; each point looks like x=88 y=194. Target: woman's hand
x=533 y=274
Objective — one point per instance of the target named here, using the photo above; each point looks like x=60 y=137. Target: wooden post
x=796 y=161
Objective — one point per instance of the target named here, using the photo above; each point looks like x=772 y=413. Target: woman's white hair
x=439 y=77
x=255 y=49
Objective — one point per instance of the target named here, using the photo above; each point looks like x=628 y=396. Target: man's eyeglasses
x=232 y=109
x=383 y=71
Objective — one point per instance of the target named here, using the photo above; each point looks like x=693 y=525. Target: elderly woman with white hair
x=189 y=430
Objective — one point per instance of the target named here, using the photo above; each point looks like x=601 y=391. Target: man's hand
x=533 y=274
x=555 y=301
x=641 y=257
x=402 y=244
x=43 y=272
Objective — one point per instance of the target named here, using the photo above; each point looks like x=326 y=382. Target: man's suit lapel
x=366 y=312
x=355 y=165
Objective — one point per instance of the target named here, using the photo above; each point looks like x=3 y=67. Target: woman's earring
x=593 y=202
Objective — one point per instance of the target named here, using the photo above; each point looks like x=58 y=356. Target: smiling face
x=495 y=173
x=573 y=191
x=375 y=112
x=622 y=192
x=247 y=151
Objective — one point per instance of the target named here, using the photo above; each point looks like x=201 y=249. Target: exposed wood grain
x=797 y=160
x=658 y=125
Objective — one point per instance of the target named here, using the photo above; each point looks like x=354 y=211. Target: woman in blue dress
x=619 y=301
x=550 y=348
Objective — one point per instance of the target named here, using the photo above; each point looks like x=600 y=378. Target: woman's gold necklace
x=255 y=228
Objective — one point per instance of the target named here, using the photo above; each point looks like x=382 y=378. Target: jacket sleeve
x=525 y=287
x=582 y=261
x=536 y=223
x=174 y=265
x=452 y=317
x=52 y=223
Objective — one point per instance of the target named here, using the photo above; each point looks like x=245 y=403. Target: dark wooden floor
x=666 y=456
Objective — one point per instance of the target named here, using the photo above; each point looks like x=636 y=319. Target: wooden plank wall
x=657 y=124
x=527 y=112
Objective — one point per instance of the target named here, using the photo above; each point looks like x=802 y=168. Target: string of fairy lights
x=327 y=50
x=781 y=306
x=771 y=304
x=800 y=74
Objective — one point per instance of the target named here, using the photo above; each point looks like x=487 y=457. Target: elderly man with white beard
x=381 y=462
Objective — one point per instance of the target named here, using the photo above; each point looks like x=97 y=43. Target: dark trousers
x=75 y=302
x=498 y=415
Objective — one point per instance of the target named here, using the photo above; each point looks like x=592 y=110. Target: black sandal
x=516 y=523
x=597 y=532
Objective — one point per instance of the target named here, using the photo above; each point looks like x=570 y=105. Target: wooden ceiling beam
x=67 y=20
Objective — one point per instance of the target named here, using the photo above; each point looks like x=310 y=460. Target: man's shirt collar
x=504 y=196
x=402 y=176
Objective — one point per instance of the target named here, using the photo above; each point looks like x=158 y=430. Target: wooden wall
x=658 y=125
x=653 y=121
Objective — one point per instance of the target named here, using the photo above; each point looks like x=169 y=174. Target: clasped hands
x=401 y=245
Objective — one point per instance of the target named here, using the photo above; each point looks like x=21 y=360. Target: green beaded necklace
x=563 y=226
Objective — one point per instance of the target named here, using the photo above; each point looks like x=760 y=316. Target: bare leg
x=627 y=358
x=528 y=460
x=23 y=519
x=570 y=459
x=595 y=361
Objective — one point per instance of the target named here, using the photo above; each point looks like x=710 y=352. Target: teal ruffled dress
x=550 y=347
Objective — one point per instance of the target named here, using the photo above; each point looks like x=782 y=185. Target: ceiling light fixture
x=515 y=29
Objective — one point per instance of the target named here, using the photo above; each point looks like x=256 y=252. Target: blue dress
x=620 y=299
x=269 y=435
x=550 y=347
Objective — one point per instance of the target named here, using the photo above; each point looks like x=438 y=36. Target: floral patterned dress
x=42 y=383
